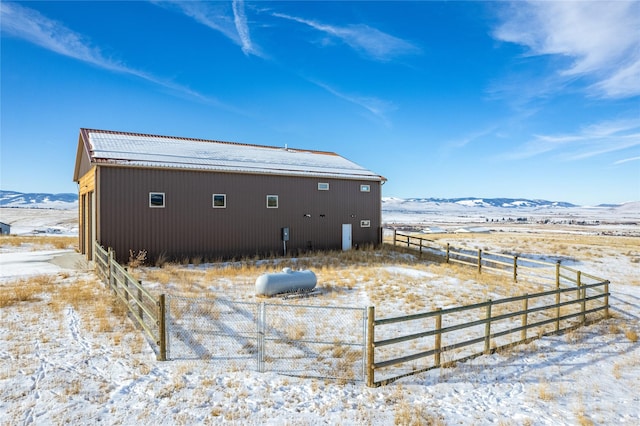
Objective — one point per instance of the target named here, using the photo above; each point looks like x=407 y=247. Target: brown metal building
x=185 y=198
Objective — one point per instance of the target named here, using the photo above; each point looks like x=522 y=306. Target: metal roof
x=152 y=151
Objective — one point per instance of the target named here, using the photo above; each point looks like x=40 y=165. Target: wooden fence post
x=370 y=348
x=525 y=309
x=447 y=256
x=515 y=269
x=606 y=299
x=395 y=236
x=438 y=338
x=109 y=261
x=112 y=277
x=420 y=248
x=558 y=295
x=582 y=292
x=162 y=332
x=126 y=290
x=140 y=310
x=479 y=261
x=487 y=329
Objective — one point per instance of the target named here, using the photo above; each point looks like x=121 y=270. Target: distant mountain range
x=509 y=203
x=70 y=201
x=38 y=200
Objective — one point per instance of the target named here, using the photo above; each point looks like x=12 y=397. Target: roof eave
x=328 y=175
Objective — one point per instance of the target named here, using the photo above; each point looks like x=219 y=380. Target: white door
x=346 y=236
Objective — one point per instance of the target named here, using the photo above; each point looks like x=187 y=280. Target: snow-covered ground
x=57 y=366
x=621 y=220
x=26 y=221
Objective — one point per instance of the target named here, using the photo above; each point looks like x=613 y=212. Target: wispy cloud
x=242 y=27
x=600 y=39
x=468 y=138
x=591 y=141
x=28 y=24
x=371 y=42
x=377 y=107
x=31 y=25
x=217 y=16
x=627 y=160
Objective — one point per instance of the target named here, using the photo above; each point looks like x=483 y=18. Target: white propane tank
x=286 y=281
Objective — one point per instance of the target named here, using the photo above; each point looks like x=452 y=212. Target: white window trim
x=323 y=186
x=164 y=200
x=213 y=201
x=365 y=223
x=365 y=188
x=277 y=201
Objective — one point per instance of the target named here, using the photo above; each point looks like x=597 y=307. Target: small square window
x=323 y=186
x=365 y=224
x=365 y=188
x=272 y=201
x=219 y=201
x=156 y=199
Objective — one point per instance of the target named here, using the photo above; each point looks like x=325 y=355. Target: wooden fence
x=518 y=267
x=147 y=310
x=444 y=337
x=400 y=346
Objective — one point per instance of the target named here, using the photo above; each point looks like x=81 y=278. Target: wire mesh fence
x=313 y=341
x=298 y=340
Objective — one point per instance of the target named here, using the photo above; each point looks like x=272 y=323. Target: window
x=365 y=224
x=272 y=201
x=323 y=186
x=156 y=199
x=365 y=188
x=219 y=201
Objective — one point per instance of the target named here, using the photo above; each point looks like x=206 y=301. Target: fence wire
x=313 y=341
x=298 y=340
x=213 y=329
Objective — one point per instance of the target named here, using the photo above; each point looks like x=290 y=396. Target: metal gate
x=299 y=340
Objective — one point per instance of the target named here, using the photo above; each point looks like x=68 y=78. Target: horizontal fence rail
x=146 y=309
x=444 y=337
x=518 y=267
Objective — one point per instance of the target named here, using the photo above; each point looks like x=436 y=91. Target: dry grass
x=52 y=295
x=544 y=393
x=39 y=242
x=342 y=273
x=25 y=290
x=562 y=244
x=411 y=414
x=632 y=335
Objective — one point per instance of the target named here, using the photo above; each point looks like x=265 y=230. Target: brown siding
x=188 y=226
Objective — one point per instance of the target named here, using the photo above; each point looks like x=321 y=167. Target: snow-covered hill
x=477 y=210
x=483 y=202
x=38 y=200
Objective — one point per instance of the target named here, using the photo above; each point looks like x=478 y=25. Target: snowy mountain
x=478 y=210
x=38 y=200
x=510 y=203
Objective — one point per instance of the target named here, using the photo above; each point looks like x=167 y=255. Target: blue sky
x=444 y=99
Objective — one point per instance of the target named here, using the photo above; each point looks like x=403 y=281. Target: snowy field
x=64 y=358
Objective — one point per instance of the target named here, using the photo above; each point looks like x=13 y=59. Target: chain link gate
x=312 y=341
x=213 y=329
x=298 y=340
